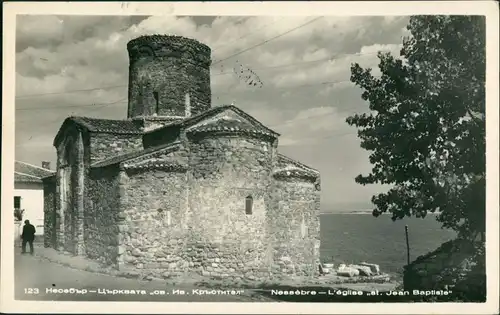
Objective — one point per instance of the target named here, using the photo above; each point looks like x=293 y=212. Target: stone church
x=180 y=186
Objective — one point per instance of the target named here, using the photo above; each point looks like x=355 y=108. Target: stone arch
x=145 y=51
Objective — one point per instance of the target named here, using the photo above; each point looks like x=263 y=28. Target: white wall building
x=28 y=191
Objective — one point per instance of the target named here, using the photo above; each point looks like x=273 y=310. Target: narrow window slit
x=303 y=228
x=157 y=103
x=248 y=205
x=187 y=105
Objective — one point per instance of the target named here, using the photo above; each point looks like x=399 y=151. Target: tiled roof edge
x=132 y=155
x=297 y=163
x=214 y=110
x=35 y=166
x=167 y=149
x=235 y=130
x=158 y=165
x=80 y=121
x=295 y=174
x=24 y=174
x=27 y=178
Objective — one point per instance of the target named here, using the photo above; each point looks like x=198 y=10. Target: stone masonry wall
x=225 y=241
x=106 y=145
x=457 y=265
x=155 y=214
x=163 y=69
x=293 y=218
x=100 y=215
x=49 y=212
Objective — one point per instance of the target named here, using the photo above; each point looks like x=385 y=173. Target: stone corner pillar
x=60 y=201
x=121 y=219
x=79 y=198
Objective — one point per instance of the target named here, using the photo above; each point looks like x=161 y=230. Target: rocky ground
x=41 y=278
x=33 y=271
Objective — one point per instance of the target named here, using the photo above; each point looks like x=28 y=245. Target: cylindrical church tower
x=169 y=76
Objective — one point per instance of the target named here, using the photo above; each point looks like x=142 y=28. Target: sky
x=78 y=65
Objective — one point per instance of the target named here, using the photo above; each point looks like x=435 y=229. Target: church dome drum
x=169 y=76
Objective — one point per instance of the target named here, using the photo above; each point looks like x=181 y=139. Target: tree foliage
x=426 y=125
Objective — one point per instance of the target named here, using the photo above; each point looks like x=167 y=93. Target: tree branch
x=479 y=122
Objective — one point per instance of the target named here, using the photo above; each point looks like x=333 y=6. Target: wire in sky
x=71 y=106
x=267 y=40
x=71 y=91
x=58 y=120
x=296 y=86
x=219 y=61
x=215 y=74
x=222 y=93
x=246 y=34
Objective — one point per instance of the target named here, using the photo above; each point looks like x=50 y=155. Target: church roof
x=136 y=154
x=230 y=125
x=108 y=125
x=288 y=167
x=25 y=169
x=248 y=124
x=115 y=126
x=134 y=126
x=25 y=178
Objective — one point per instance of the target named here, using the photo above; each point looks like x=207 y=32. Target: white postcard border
x=487 y=8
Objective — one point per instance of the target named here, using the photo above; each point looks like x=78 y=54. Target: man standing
x=28 y=236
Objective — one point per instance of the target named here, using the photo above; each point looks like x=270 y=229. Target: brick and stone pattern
x=225 y=171
x=165 y=73
x=164 y=222
x=49 y=212
x=101 y=215
x=294 y=226
x=180 y=204
x=105 y=145
x=154 y=211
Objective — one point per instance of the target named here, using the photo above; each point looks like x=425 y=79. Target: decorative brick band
x=159 y=166
x=169 y=46
x=300 y=174
x=218 y=131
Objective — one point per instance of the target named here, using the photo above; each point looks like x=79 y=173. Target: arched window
x=248 y=205
x=146 y=52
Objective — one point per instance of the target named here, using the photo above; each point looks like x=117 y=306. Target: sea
x=360 y=237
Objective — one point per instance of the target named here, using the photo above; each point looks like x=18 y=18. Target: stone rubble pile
x=363 y=269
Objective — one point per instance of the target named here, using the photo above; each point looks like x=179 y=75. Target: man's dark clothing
x=28 y=236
